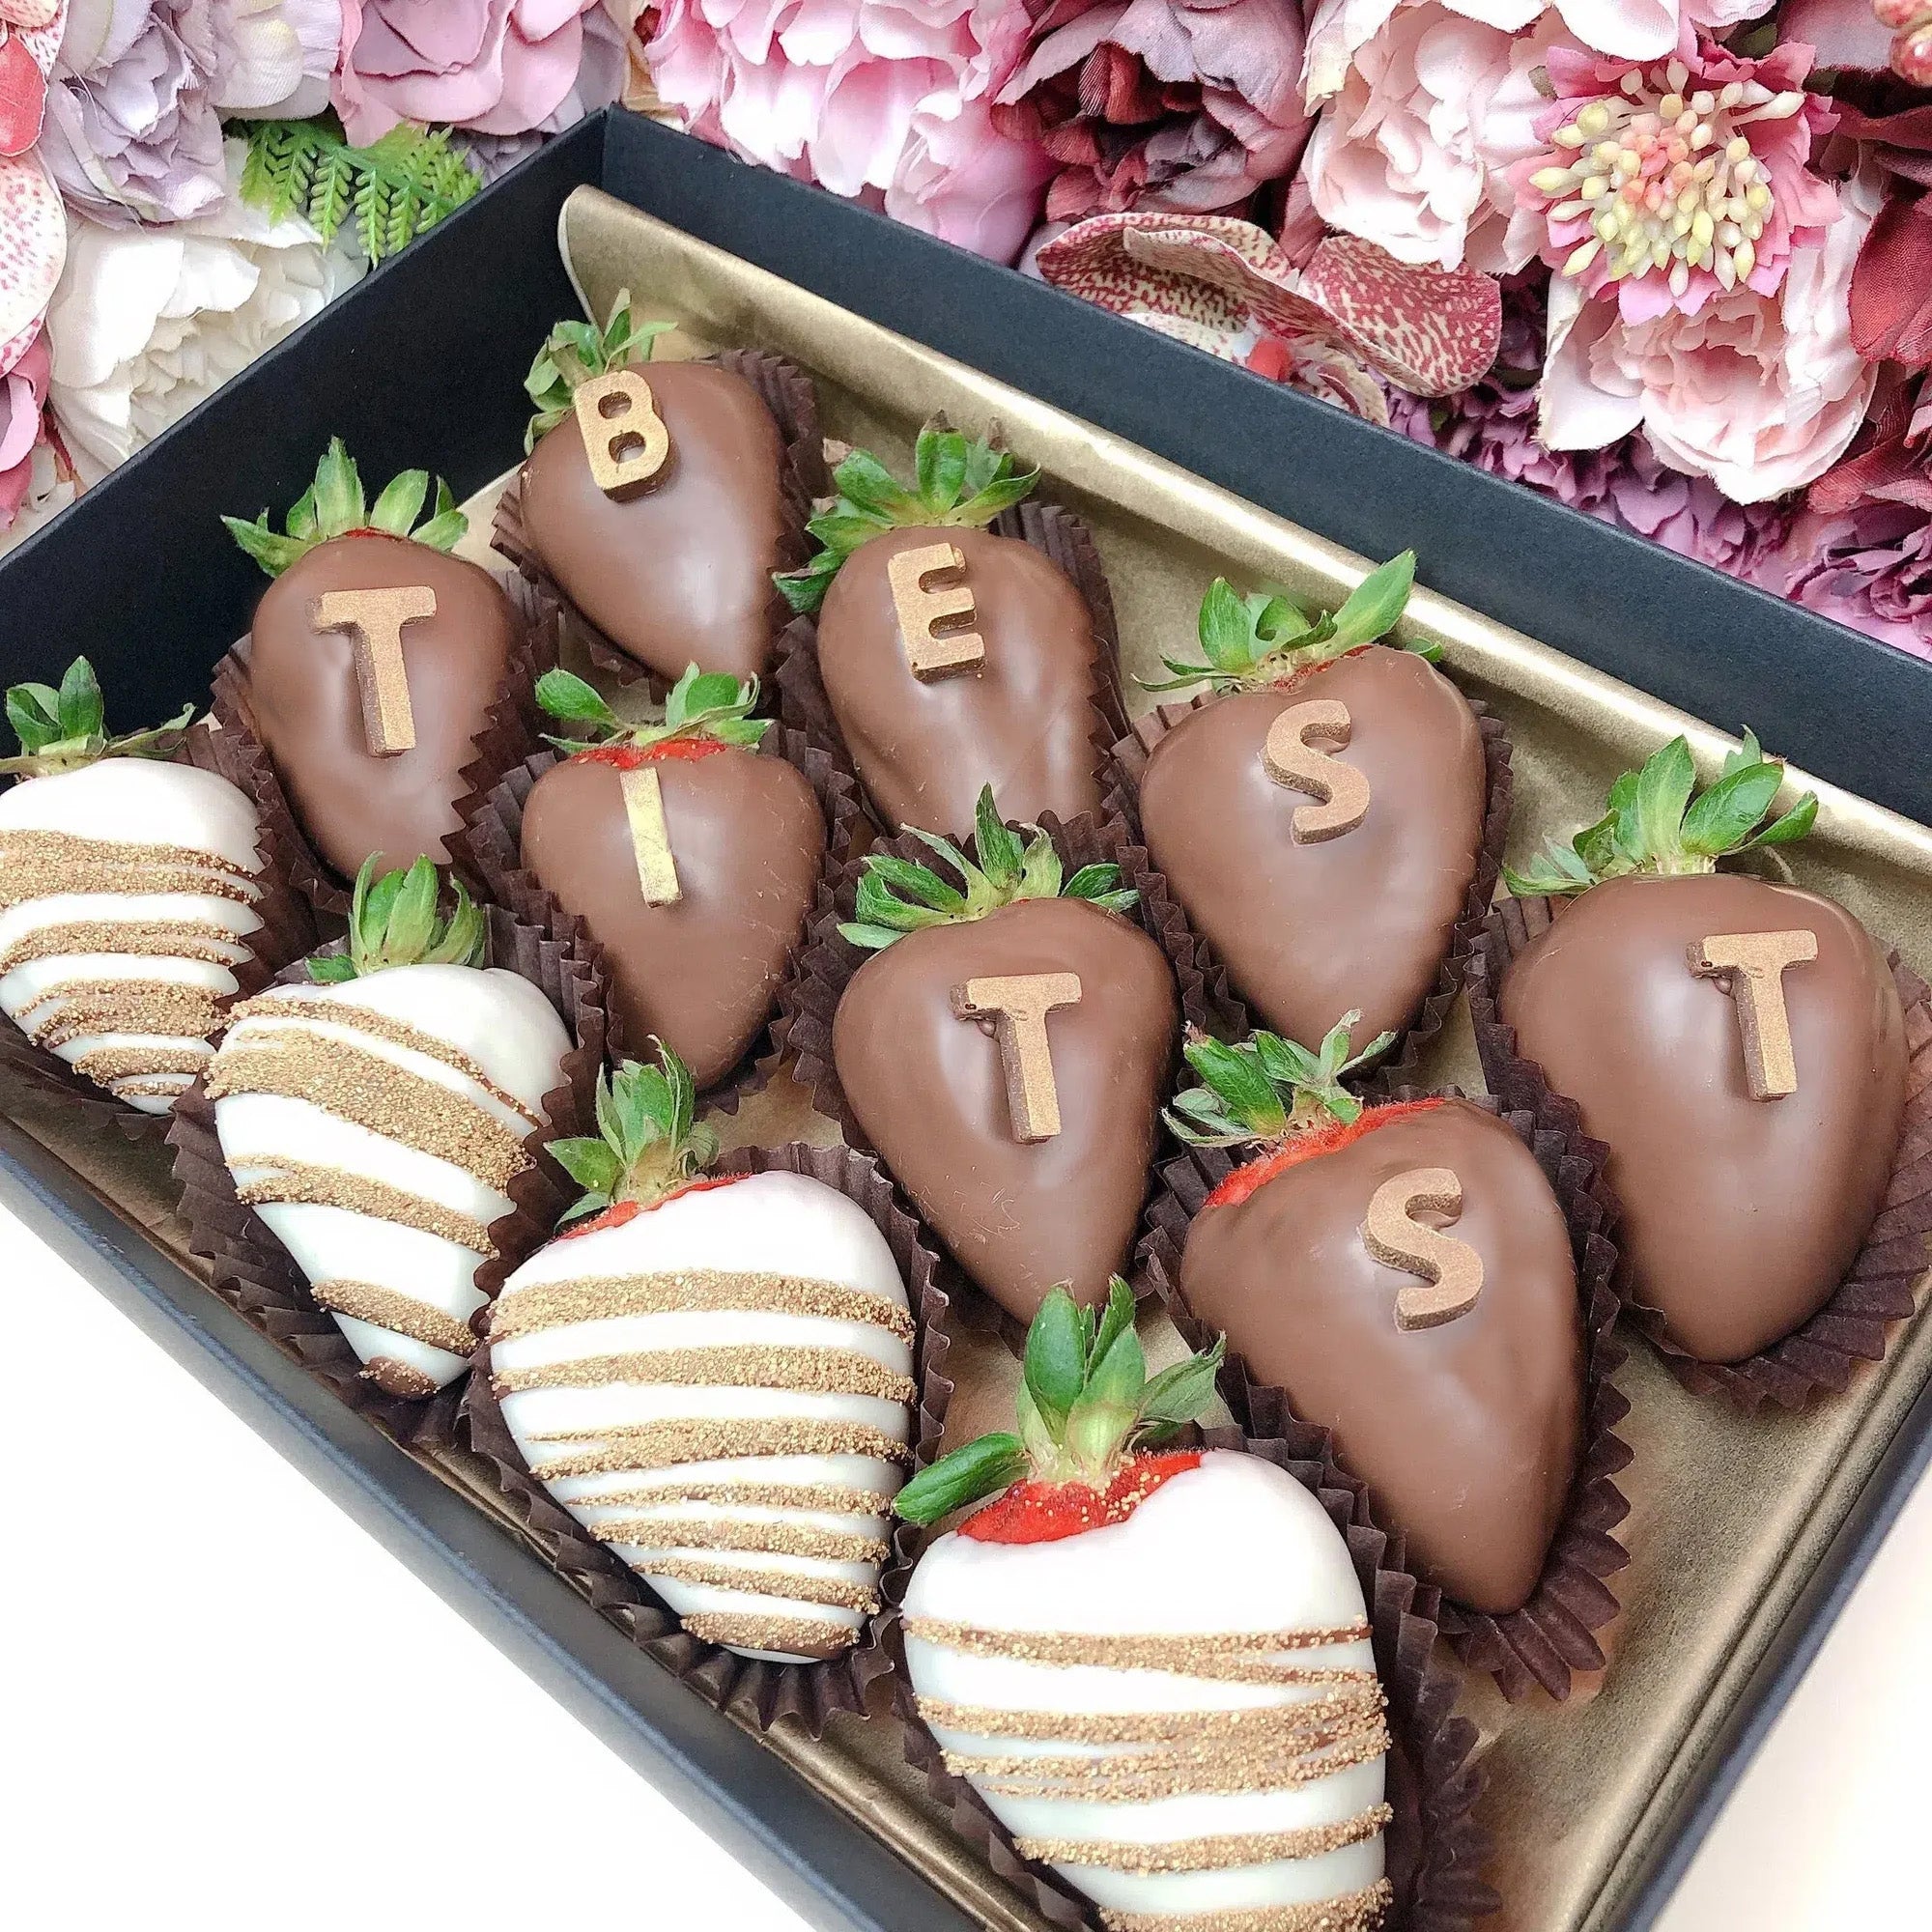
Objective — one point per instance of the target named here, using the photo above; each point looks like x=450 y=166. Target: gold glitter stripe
x=1230 y=1657
x=1358 y=1699
x=767 y=1539
x=184 y=939
x=398 y=1033
x=166 y=1008
x=112 y=1064
x=557 y=1304
x=795 y=1636
x=373 y=1092
x=833 y=1498
x=394 y=1378
x=1352 y=1912
x=399 y=1314
x=159 y=1086
x=1143 y=1777
x=832 y=1591
x=85 y=865
x=305 y=1183
x=1216 y=1854
x=636 y=1447
x=28 y=847
x=746 y=1365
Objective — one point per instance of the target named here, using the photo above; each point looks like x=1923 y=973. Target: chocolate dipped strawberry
x=1319 y=817
x=1405 y=1274
x=1006 y=1049
x=691 y=857
x=948 y=652
x=713 y=1376
x=128 y=891
x=373 y=661
x=1153 y=1667
x=651 y=494
x=375 y=1118
x=1739 y=1044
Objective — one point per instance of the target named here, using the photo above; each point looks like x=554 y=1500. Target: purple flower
x=1871 y=569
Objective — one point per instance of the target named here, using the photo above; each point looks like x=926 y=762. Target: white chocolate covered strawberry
x=376 y=1118
x=714 y=1377
x=1155 y=1668
x=127 y=888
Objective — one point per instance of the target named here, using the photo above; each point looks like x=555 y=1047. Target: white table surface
x=182 y=1707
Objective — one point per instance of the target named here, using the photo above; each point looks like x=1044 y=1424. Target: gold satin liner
x=734 y=1365
x=1226 y=1656
x=666 y=1445
x=164 y=1007
x=768 y=1538
x=560 y=1304
x=833 y=1498
x=399 y=1314
x=363 y=1088
x=307 y=1183
x=149 y=938
x=1215 y=1854
x=1354 y=1912
x=398 y=1033
x=832 y=1591
x=795 y=1636
x=1361 y=1698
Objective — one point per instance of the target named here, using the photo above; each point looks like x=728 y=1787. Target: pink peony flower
x=1185 y=106
x=1680 y=179
x=885 y=103
x=1760 y=393
x=23 y=427
x=495 y=67
x=1691 y=515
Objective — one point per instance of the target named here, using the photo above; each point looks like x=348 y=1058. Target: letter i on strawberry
x=714 y=1376
x=1153 y=1666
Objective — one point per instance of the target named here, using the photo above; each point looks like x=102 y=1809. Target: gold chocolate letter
x=1289 y=759
x=1018 y=1004
x=1451 y=1271
x=377 y=617
x=920 y=610
x=1751 y=965
x=650 y=836
x=623 y=435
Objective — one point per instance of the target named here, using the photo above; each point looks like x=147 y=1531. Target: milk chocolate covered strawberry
x=689 y=855
x=651 y=494
x=1404 y=1272
x=1320 y=816
x=1155 y=1667
x=948 y=652
x=1738 y=1044
x=1006 y=1049
x=372 y=663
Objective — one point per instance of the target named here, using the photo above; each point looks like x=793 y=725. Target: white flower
x=275 y=57
x=148 y=321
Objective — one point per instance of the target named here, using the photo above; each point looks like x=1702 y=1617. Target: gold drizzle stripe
x=796 y=1636
x=398 y=1033
x=37 y=865
x=1247 y=1724
x=373 y=1092
x=1144 y=1776
x=163 y=1087
x=399 y=1314
x=172 y=939
x=832 y=1591
x=764 y=1539
x=816 y=1371
x=831 y=1498
x=162 y=1007
x=1216 y=1854
x=305 y=1184
x=636 y=1447
x=560 y=1304
x=115 y=1064
x=1236 y=1657
x=1352 y=1912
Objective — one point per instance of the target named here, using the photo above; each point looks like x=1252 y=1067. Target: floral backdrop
x=1667 y=261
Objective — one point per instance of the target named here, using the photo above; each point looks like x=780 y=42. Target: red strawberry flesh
x=1048 y=1512
x=1310 y=1146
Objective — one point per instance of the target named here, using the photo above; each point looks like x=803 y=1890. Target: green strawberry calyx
x=398 y=920
x=61 y=730
x=649 y=1142
x=1266 y=1088
x=702 y=707
x=573 y=351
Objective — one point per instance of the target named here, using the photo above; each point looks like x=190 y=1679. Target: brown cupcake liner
x=789 y=393
x=1436 y=1846
x=254 y=1274
x=490 y=847
x=760 y=1693
x=1553 y=1638
x=287 y=933
x=1129 y=760
x=1059 y=536
x=1855 y=1325
x=510 y=728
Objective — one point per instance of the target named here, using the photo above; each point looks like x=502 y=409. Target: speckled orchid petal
x=33 y=243
x=1432 y=330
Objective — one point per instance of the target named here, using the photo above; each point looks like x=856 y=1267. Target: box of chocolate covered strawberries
x=1093 y=1213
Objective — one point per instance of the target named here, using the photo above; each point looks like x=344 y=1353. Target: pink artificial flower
x=1760 y=393
x=882 y=102
x=23 y=401
x=1677 y=181
x=1871 y=568
x=495 y=66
